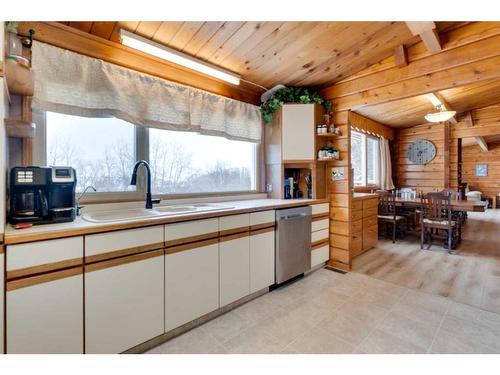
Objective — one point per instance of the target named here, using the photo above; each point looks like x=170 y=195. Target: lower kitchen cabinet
x=124 y=302
x=234 y=263
x=261 y=259
x=45 y=313
x=191 y=282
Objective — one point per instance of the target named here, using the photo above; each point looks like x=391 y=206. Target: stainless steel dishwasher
x=293 y=242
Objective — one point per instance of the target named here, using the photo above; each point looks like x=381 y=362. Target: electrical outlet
x=269 y=188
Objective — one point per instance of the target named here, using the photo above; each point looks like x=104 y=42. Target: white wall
x=3 y=140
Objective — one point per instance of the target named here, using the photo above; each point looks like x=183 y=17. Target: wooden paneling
x=268 y=53
x=369 y=126
x=424 y=177
x=472 y=155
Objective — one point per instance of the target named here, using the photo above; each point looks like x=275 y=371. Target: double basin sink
x=142 y=213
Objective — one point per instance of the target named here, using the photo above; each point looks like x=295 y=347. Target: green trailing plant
x=12 y=27
x=291 y=95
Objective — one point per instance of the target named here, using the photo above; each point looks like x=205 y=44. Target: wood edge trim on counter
x=234 y=236
x=230 y=232
x=262 y=226
x=123 y=260
x=123 y=252
x=40 y=279
x=321 y=216
x=319 y=244
x=43 y=268
x=2 y=248
x=18 y=237
x=197 y=238
x=261 y=231
x=190 y=246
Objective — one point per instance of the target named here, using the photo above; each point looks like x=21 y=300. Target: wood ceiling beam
x=69 y=38
x=482 y=143
x=434 y=98
x=428 y=33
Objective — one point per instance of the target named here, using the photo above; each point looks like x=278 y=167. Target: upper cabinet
x=298 y=127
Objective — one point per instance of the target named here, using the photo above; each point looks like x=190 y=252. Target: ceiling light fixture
x=163 y=52
x=440 y=116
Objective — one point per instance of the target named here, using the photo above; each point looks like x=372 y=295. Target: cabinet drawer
x=234 y=224
x=191 y=231
x=370 y=211
x=322 y=208
x=356 y=215
x=357 y=205
x=367 y=203
x=259 y=219
x=319 y=235
x=320 y=255
x=125 y=242
x=370 y=221
x=319 y=224
x=35 y=257
x=357 y=226
x=356 y=245
x=370 y=237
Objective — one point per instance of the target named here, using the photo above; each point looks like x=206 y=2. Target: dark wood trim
x=321 y=243
x=321 y=216
x=197 y=238
x=43 y=268
x=122 y=253
x=234 y=236
x=123 y=260
x=261 y=231
x=262 y=226
x=190 y=246
x=44 y=278
x=229 y=232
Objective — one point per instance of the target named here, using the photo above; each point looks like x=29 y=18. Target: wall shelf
x=328 y=135
x=19 y=129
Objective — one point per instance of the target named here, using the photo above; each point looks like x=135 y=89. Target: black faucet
x=133 y=181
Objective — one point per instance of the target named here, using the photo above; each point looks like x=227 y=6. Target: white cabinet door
x=2 y=264
x=234 y=264
x=45 y=313
x=261 y=260
x=298 y=132
x=124 y=302
x=191 y=282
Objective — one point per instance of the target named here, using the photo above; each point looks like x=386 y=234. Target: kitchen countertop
x=81 y=227
x=359 y=196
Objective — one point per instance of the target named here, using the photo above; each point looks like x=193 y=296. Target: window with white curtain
x=365 y=159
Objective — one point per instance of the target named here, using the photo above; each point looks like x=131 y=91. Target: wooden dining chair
x=387 y=214
x=437 y=218
x=459 y=216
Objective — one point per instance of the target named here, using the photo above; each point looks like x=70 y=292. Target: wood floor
x=471 y=275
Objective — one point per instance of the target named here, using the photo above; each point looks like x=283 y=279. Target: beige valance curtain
x=70 y=83
x=385 y=167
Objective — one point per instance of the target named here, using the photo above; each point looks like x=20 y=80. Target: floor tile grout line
x=450 y=303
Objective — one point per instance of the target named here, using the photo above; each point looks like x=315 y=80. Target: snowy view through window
x=103 y=152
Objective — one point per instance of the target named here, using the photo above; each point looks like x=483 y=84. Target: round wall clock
x=421 y=151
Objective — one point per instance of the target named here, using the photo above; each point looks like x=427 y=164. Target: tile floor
x=328 y=312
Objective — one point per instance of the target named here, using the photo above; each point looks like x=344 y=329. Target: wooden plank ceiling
x=411 y=111
x=269 y=53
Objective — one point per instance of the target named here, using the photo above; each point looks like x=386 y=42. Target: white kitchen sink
x=142 y=213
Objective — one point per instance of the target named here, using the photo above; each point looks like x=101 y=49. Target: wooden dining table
x=456 y=204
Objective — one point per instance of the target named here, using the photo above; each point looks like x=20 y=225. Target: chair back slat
x=436 y=206
x=386 y=203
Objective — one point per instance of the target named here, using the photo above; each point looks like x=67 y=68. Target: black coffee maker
x=42 y=195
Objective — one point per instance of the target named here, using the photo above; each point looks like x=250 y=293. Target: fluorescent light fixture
x=440 y=116
x=163 y=52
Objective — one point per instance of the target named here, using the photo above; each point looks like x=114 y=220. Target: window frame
x=142 y=153
x=364 y=164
